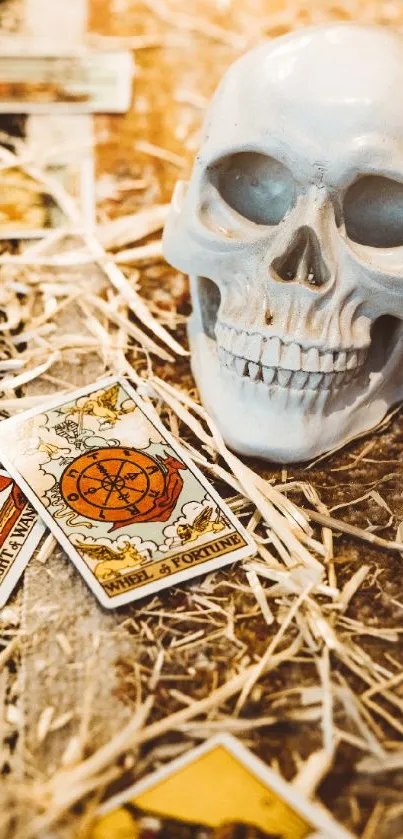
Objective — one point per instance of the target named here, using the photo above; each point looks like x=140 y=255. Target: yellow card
x=217 y=791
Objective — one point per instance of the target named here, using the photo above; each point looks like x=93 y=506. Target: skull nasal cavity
x=302 y=262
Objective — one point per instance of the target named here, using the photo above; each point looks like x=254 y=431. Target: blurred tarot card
x=43 y=81
x=62 y=150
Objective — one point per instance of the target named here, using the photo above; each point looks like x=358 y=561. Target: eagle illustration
x=203 y=523
x=111 y=562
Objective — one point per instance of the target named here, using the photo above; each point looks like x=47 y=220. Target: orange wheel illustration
x=113 y=484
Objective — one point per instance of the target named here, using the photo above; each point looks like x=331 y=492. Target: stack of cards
x=121 y=497
x=217 y=791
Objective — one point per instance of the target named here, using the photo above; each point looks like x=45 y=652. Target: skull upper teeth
x=273 y=361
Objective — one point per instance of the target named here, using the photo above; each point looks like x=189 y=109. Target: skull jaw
x=281 y=424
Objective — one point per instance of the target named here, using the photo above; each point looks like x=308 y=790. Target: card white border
x=157 y=585
x=20 y=563
x=314 y=813
x=120 y=62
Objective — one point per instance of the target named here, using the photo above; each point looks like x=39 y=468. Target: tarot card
x=20 y=532
x=42 y=81
x=125 y=502
x=219 y=790
x=27 y=210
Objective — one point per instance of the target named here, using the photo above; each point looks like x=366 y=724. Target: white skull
x=291 y=229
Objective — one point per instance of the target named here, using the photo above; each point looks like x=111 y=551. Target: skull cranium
x=291 y=229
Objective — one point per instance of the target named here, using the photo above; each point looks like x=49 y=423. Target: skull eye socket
x=373 y=212
x=257 y=187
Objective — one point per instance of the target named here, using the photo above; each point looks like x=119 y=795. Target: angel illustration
x=111 y=562
x=203 y=523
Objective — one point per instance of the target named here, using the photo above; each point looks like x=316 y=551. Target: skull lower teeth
x=274 y=362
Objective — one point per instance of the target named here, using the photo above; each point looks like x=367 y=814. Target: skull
x=291 y=229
